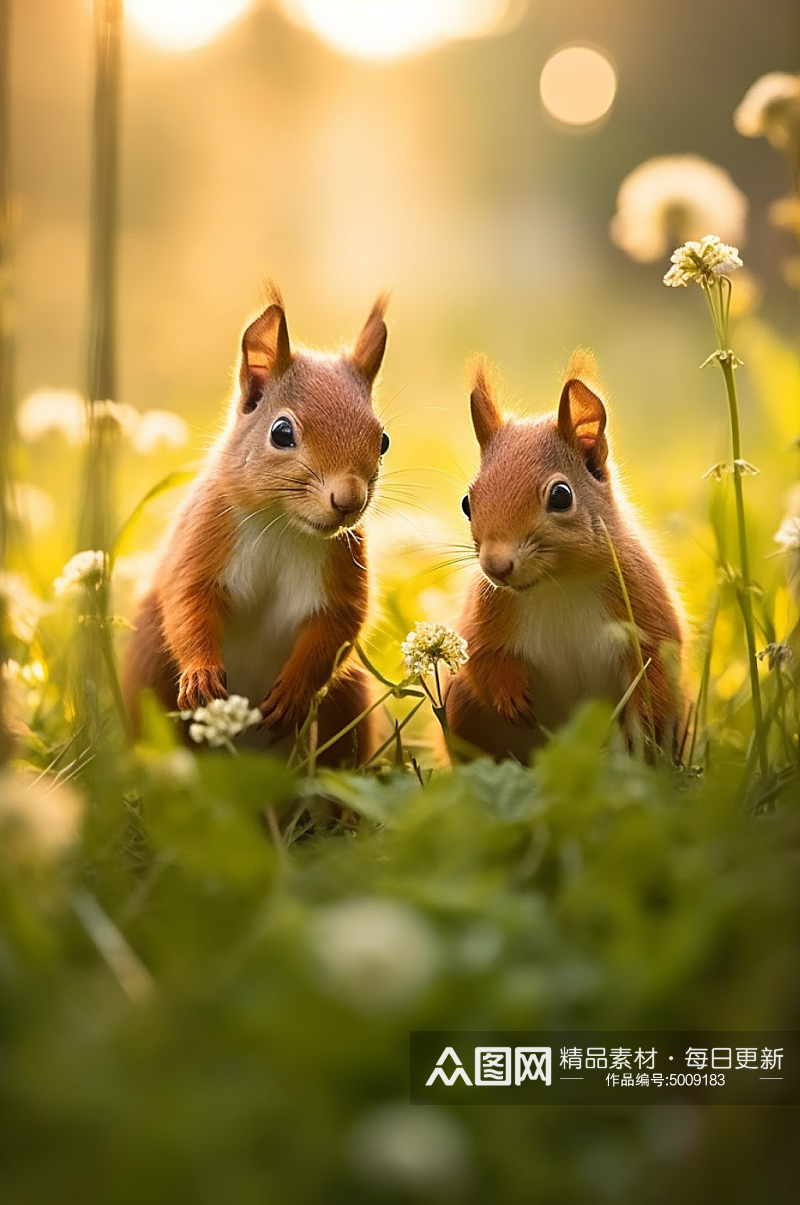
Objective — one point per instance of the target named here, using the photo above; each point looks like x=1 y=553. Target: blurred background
x=442 y=149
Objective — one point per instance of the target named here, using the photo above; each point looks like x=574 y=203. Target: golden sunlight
x=183 y=24
x=578 y=85
x=393 y=29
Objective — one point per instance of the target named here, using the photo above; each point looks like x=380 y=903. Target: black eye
x=465 y=506
x=560 y=496
x=385 y=441
x=282 y=433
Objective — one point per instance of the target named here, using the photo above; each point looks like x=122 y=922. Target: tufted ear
x=367 y=355
x=486 y=418
x=266 y=354
x=582 y=417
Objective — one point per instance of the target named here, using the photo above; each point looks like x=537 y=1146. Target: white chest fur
x=566 y=634
x=275 y=580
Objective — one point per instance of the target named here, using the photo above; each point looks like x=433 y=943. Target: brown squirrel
x=546 y=622
x=264 y=576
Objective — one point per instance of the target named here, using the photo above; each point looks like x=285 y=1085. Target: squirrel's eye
x=560 y=496
x=384 y=443
x=465 y=506
x=282 y=433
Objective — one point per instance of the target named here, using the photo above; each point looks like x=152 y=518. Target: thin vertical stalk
x=746 y=591
x=95 y=659
x=97 y=520
x=7 y=348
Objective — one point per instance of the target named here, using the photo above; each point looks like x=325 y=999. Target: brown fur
x=307 y=502
x=548 y=583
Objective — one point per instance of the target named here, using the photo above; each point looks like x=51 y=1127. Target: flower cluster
x=704 y=262
x=83 y=572
x=221 y=720
x=431 y=643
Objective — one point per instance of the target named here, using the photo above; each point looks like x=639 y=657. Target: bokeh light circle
x=381 y=30
x=183 y=24
x=578 y=85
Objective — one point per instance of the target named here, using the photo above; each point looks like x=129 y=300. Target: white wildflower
x=674 y=198
x=397 y=1148
x=40 y=817
x=83 y=572
x=46 y=410
x=704 y=262
x=431 y=643
x=788 y=534
x=771 y=107
x=221 y=720
x=374 y=953
x=157 y=427
x=24 y=609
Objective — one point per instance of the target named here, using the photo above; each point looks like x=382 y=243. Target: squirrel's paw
x=517 y=708
x=199 y=686
x=279 y=711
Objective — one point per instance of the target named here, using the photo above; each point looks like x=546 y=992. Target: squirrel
x=264 y=576
x=545 y=620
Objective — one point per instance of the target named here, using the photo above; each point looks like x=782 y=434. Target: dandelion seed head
x=117 y=415
x=46 y=410
x=673 y=198
x=219 y=721
x=65 y=411
x=703 y=262
x=771 y=108
x=431 y=643
x=157 y=428
x=82 y=572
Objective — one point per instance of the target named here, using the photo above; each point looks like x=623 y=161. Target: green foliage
x=228 y=1017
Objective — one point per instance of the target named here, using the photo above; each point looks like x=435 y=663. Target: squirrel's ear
x=486 y=418
x=266 y=353
x=582 y=424
x=367 y=355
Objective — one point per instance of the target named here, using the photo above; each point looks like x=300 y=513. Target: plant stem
x=347 y=728
x=637 y=647
x=727 y=362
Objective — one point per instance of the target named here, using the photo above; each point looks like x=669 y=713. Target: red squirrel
x=546 y=621
x=264 y=576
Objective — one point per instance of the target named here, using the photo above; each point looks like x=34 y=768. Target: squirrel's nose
x=348 y=497
x=497 y=564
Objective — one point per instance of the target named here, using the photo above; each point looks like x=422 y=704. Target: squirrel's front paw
x=280 y=710
x=199 y=686
x=517 y=708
